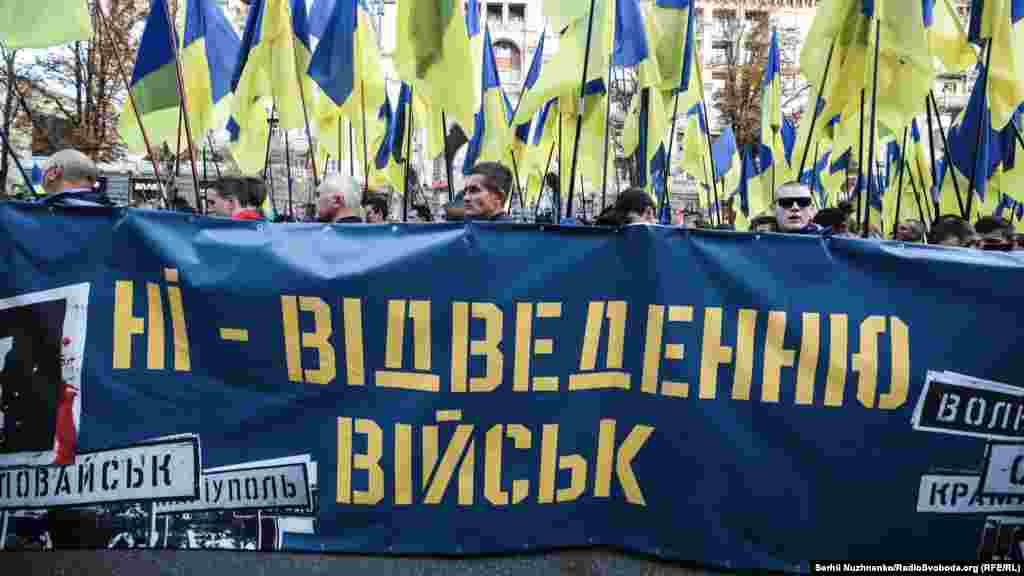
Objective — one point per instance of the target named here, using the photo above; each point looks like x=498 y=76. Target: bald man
x=69 y=178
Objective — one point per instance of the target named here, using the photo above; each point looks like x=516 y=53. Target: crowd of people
x=69 y=179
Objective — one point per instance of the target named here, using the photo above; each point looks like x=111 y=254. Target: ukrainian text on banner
x=735 y=400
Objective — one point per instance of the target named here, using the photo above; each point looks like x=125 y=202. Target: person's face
x=327 y=207
x=481 y=201
x=373 y=216
x=793 y=208
x=220 y=205
x=646 y=217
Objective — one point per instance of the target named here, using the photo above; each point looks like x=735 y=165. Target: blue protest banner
x=736 y=400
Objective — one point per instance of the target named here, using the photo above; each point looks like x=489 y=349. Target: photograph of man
x=35 y=402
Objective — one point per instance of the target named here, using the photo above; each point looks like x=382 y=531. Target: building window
x=494 y=12
x=517 y=15
x=508 y=58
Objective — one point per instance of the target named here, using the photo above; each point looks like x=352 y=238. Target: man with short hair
x=951 y=230
x=909 y=231
x=69 y=179
x=237 y=197
x=764 y=223
x=376 y=208
x=487 y=187
x=339 y=201
x=834 y=220
x=996 y=234
x=794 y=209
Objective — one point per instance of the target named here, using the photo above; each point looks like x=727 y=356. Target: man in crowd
x=794 y=209
x=486 y=189
x=237 y=197
x=909 y=231
x=376 y=208
x=339 y=201
x=833 y=220
x=764 y=223
x=69 y=179
x=995 y=234
x=953 y=230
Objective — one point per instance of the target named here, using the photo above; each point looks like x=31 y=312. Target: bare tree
x=740 y=52
x=76 y=89
x=10 y=110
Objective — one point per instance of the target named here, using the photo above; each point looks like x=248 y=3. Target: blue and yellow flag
x=432 y=56
x=1001 y=23
x=270 y=73
x=492 y=134
x=154 y=85
x=562 y=74
x=207 y=61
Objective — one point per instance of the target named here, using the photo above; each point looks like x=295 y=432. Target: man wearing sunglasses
x=794 y=209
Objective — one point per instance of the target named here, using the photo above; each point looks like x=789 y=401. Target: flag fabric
x=44 y=23
x=946 y=37
x=694 y=158
x=630 y=44
x=207 y=62
x=771 y=93
x=1001 y=22
x=674 y=44
x=492 y=134
x=754 y=192
x=333 y=63
x=969 y=151
x=432 y=56
x=271 y=72
x=523 y=129
x=722 y=152
x=154 y=85
x=347 y=67
x=562 y=74
x=320 y=14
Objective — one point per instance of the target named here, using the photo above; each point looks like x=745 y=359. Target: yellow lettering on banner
x=865 y=361
x=614 y=377
x=653 y=350
x=899 y=386
x=521 y=437
x=460 y=346
x=182 y=355
x=155 y=330
x=713 y=354
x=551 y=462
x=623 y=458
x=370 y=461
x=807 y=366
x=126 y=325
x=355 y=364
x=776 y=356
x=489 y=347
x=835 y=386
x=319 y=339
x=419 y=312
x=459 y=453
x=541 y=346
x=403 y=464
x=393 y=349
x=744 y=371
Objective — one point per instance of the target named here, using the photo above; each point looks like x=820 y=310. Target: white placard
x=145 y=472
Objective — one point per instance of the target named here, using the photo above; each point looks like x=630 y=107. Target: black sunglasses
x=787 y=203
